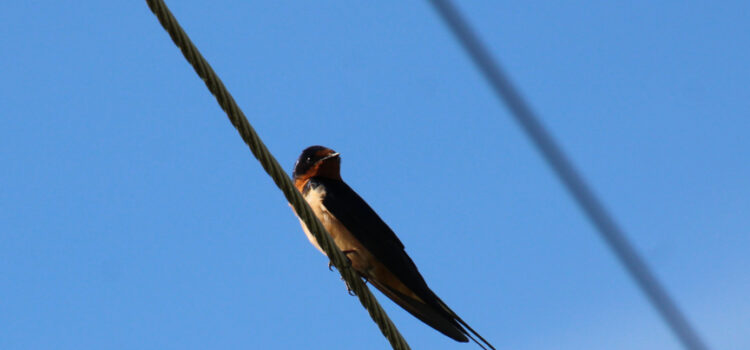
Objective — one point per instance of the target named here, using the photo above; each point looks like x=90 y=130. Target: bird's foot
x=348 y=264
x=349 y=288
x=348 y=261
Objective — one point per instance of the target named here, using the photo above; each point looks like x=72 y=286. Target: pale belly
x=361 y=258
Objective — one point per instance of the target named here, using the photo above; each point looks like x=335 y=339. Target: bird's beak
x=332 y=155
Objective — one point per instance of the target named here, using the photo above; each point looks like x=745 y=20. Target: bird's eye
x=307 y=159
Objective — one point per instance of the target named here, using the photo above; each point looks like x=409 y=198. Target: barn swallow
x=370 y=245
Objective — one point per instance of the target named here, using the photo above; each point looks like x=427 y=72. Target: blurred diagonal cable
x=564 y=169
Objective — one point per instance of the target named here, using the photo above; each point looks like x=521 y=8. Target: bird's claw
x=347 y=263
x=349 y=288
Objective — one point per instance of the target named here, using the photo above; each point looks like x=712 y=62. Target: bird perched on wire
x=370 y=245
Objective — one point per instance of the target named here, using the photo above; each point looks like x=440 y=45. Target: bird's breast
x=362 y=260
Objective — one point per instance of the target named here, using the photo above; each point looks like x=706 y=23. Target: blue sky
x=132 y=216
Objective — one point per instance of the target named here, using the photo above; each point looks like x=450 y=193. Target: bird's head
x=317 y=161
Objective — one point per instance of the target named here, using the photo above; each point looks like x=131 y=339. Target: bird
x=373 y=249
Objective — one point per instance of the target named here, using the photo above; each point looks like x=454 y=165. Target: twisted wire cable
x=277 y=173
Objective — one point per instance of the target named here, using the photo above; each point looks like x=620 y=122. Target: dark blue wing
x=357 y=216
